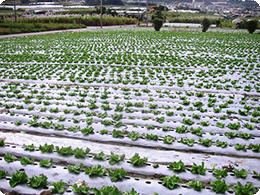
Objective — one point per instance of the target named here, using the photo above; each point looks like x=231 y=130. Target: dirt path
x=61 y=31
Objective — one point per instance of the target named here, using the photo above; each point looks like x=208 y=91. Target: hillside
x=246 y=3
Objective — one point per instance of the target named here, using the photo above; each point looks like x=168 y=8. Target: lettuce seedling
x=107 y=190
x=240 y=173
x=64 y=151
x=187 y=121
x=196 y=131
x=25 y=161
x=198 y=169
x=219 y=174
x=134 y=135
x=219 y=186
x=168 y=139
x=221 y=144
x=46 y=148
x=113 y=158
x=256 y=174
x=19 y=177
x=58 y=187
x=171 y=182
x=240 y=147
x=100 y=156
x=29 y=147
x=2 y=143
x=83 y=189
x=189 y=142
x=87 y=130
x=117 y=133
x=103 y=131
x=248 y=189
x=79 y=153
x=132 y=192
x=196 y=185
x=160 y=119
x=205 y=142
x=136 y=160
x=38 y=182
x=2 y=174
x=117 y=117
x=9 y=158
x=117 y=174
x=234 y=126
x=181 y=129
x=177 y=166
x=151 y=137
x=230 y=134
x=46 y=163
x=97 y=170
x=75 y=168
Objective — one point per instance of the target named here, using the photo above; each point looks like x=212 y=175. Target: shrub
x=157 y=22
x=251 y=26
x=205 y=24
x=218 y=23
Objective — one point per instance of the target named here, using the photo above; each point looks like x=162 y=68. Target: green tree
x=251 y=26
x=157 y=19
x=157 y=22
x=218 y=23
x=158 y=14
x=205 y=24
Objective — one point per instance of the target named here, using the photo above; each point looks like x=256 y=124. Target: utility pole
x=15 y=16
x=177 y=9
x=164 y=13
x=147 y=13
x=138 y=23
x=101 y=12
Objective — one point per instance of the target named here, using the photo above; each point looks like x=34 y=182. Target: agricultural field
x=130 y=112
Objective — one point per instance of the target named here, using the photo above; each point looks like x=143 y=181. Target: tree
x=218 y=23
x=251 y=26
x=157 y=19
x=158 y=14
x=157 y=22
x=205 y=24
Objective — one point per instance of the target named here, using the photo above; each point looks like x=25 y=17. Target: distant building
x=133 y=12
